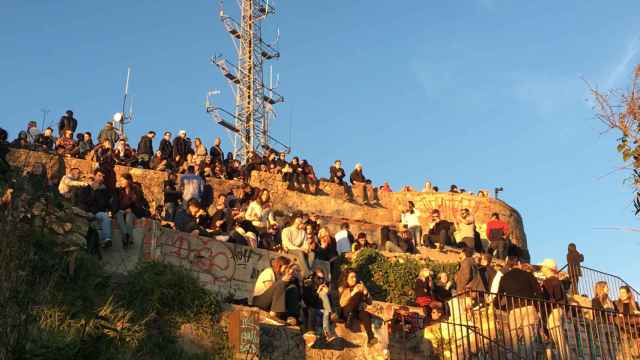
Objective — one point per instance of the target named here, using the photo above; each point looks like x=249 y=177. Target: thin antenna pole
x=124 y=101
x=45 y=112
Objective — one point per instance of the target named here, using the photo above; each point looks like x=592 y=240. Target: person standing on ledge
x=574 y=258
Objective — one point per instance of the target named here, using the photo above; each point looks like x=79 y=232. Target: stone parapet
x=332 y=203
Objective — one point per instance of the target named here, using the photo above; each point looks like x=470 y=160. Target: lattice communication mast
x=249 y=124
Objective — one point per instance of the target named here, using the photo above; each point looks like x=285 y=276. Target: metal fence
x=490 y=326
x=585 y=283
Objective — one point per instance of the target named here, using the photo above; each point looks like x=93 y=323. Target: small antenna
x=45 y=112
x=124 y=101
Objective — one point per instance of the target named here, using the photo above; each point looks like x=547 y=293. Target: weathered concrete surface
x=332 y=202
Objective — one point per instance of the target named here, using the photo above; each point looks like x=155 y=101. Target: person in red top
x=497 y=233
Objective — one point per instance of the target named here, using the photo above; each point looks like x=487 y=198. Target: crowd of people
x=175 y=154
x=300 y=291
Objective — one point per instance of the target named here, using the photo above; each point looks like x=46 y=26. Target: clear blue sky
x=480 y=93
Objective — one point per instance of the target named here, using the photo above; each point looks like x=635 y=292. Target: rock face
x=334 y=203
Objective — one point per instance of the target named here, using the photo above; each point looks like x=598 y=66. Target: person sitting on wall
x=220 y=216
x=454 y=189
x=45 y=141
x=354 y=298
x=315 y=295
x=259 y=212
x=363 y=243
x=357 y=176
x=158 y=163
x=402 y=243
x=344 y=239
x=466 y=226
x=97 y=201
x=423 y=288
x=65 y=144
x=336 y=173
x=84 y=145
x=103 y=155
x=326 y=250
x=70 y=183
x=123 y=154
x=310 y=180
x=128 y=205
x=441 y=231
x=145 y=149
x=442 y=287
x=191 y=185
x=295 y=242
x=193 y=219
x=498 y=234
x=276 y=292
x=385 y=188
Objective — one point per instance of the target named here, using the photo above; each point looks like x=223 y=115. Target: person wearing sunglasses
x=315 y=294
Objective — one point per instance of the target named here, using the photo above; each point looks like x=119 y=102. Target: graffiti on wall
x=219 y=265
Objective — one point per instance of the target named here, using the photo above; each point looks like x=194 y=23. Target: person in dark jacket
x=181 y=148
x=145 y=149
x=128 y=205
x=574 y=258
x=518 y=282
x=98 y=203
x=172 y=196
x=166 y=148
x=336 y=173
x=441 y=232
x=85 y=145
x=22 y=141
x=67 y=122
x=105 y=158
x=216 y=153
x=45 y=141
x=357 y=176
x=108 y=132
x=315 y=294
x=192 y=219
x=468 y=276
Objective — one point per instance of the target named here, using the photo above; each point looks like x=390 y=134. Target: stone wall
x=220 y=266
x=334 y=203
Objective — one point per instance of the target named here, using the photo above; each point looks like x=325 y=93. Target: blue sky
x=480 y=93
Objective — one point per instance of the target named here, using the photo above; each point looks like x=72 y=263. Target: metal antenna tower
x=249 y=123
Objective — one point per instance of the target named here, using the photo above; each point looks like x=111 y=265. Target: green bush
x=392 y=280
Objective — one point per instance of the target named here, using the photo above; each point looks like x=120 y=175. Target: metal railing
x=585 y=283
x=493 y=326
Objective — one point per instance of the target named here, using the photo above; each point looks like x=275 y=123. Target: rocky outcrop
x=333 y=202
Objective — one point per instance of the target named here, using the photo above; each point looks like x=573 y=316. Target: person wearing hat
x=108 y=132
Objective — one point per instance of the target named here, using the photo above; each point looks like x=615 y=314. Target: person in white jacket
x=411 y=218
x=69 y=182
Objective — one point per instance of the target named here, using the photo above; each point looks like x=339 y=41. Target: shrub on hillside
x=392 y=280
